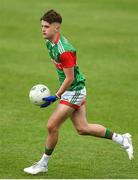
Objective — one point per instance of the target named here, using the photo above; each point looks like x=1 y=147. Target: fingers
x=45 y=105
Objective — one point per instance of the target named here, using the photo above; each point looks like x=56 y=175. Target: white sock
x=117 y=138
x=44 y=159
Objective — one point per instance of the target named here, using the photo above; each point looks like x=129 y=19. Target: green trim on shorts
x=75 y=97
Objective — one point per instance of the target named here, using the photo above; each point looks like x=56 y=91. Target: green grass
x=105 y=34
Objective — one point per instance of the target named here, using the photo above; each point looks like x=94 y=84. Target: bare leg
x=57 y=118
x=54 y=122
x=83 y=127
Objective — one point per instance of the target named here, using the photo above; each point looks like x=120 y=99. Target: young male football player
x=71 y=94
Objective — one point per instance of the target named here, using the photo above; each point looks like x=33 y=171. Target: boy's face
x=49 y=30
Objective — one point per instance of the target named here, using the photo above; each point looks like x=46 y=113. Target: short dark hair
x=51 y=16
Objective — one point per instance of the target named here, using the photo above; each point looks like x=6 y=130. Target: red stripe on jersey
x=68 y=59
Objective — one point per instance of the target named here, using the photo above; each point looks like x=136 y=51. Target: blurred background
x=105 y=34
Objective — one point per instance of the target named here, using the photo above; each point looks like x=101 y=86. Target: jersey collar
x=56 y=41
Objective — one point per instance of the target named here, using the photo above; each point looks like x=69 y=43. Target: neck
x=54 y=38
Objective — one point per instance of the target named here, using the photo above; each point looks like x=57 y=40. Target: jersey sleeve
x=68 y=59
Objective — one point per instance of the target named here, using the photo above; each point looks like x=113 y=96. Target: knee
x=51 y=128
x=82 y=130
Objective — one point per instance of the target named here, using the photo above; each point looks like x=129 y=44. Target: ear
x=57 y=27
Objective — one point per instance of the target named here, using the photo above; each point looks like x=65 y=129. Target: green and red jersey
x=63 y=55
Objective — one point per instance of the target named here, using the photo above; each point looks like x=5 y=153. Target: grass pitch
x=105 y=34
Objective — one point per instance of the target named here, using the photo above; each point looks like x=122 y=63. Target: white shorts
x=74 y=99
